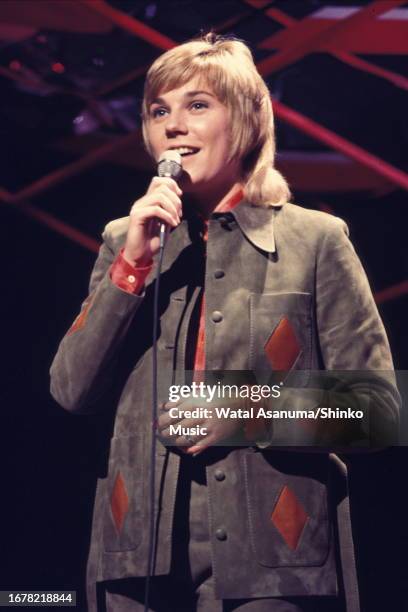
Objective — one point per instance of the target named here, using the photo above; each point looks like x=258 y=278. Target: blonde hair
x=226 y=65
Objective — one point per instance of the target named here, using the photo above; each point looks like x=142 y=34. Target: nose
x=176 y=124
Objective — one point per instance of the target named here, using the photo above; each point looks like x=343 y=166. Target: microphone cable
x=152 y=477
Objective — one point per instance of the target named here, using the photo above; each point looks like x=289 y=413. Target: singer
x=249 y=282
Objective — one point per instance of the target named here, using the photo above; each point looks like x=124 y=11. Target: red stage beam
x=347 y=58
x=60 y=227
x=391 y=293
x=51 y=222
x=130 y=24
x=27 y=77
x=386 y=35
x=92 y=159
x=357 y=62
x=120 y=81
x=23 y=78
x=232 y=21
x=62 y=15
x=326 y=208
x=278 y=15
x=333 y=140
x=258 y=4
x=329 y=172
x=137 y=72
x=298 y=41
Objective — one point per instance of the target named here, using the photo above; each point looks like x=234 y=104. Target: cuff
x=127 y=277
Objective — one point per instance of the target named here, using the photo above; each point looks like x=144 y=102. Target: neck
x=216 y=201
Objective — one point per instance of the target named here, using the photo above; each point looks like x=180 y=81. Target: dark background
x=71 y=81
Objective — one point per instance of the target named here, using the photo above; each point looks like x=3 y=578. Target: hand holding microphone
x=159 y=208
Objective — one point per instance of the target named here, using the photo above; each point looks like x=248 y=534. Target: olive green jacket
x=275 y=508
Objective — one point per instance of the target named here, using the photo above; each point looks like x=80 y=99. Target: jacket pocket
x=288 y=515
x=123 y=524
x=280 y=332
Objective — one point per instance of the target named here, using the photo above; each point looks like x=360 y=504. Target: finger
x=179 y=441
x=163 y=199
x=158 y=181
x=170 y=404
x=187 y=441
x=195 y=450
x=165 y=421
x=173 y=197
x=158 y=196
x=165 y=418
x=203 y=443
x=198 y=448
x=150 y=212
x=188 y=403
x=177 y=416
x=140 y=207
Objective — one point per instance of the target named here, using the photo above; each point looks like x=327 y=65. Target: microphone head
x=169 y=164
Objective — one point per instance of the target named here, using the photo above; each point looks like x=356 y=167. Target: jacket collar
x=256 y=222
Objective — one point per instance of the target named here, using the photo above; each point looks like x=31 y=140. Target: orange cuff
x=128 y=277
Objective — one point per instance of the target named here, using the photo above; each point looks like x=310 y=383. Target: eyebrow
x=188 y=94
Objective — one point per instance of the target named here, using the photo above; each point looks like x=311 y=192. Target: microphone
x=169 y=164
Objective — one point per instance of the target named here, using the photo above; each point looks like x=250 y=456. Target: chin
x=189 y=183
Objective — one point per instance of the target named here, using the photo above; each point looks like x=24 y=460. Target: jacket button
x=219 y=475
x=217 y=316
x=221 y=534
x=219 y=273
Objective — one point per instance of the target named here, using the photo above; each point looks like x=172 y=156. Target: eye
x=198 y=105
x=157 y=112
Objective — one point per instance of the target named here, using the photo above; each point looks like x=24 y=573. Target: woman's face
x=193 y=121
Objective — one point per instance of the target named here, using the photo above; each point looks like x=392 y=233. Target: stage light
x=15 y=65
x=58 y=67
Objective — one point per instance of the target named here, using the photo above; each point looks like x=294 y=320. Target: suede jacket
x=273 y=516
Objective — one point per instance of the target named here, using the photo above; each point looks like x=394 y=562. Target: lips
x=189 y=154
x=186 y=151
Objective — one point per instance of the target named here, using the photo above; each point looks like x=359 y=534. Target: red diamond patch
x=119 y=502
x=282 y=347
x=289 y=517
x=80 y=321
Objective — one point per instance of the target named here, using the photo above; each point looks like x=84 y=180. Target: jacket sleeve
x=83 y=366
x=353 y=341
x=357 y=372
